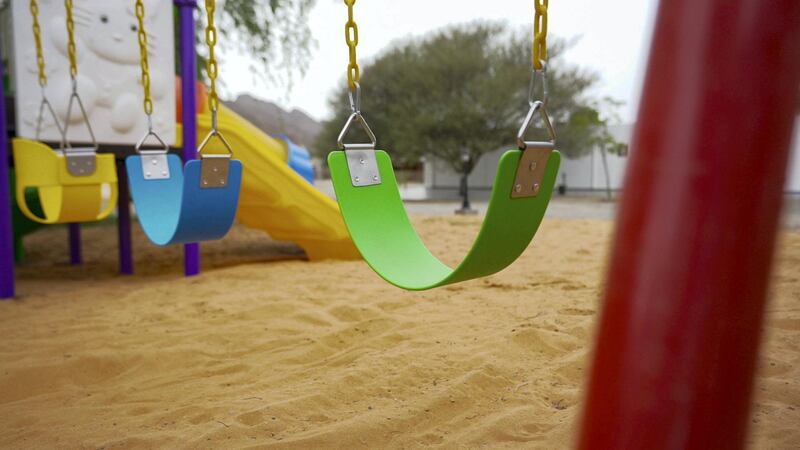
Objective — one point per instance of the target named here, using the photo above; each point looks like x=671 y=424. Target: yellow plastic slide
x=276 y=199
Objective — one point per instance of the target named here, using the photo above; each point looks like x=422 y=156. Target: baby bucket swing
x=367 y=192
x=178 y=203
x=69 y=182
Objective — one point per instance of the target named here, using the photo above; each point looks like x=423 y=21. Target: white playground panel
x=109 y=75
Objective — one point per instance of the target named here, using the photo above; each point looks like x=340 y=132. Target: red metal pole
x=680 y=327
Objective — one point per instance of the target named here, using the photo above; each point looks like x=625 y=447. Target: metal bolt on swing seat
x=518 y=188
x=532 y=167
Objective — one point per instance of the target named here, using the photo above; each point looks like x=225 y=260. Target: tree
x=462 y=92
x=274 y=33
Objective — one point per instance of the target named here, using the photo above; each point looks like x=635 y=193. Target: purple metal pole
x=124 y=222
x=6 y=232
x=75 y=254
x=191 y=252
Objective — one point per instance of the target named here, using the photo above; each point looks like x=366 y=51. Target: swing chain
x=160 y=168
x=351 y=38
x=42 y=72
x=80 y=161
x=539 y=50
x=361 y=161
x=211 y=63
x=354 y=91
x=213 y=98
x=144 y=62
x=37 y=39
x=73 y=64
x=538 y=71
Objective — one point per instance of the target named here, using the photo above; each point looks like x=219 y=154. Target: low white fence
x=583 y=174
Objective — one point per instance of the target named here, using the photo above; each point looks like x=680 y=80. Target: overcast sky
x=614 y=39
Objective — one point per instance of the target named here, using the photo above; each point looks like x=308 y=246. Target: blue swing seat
x=176 y=210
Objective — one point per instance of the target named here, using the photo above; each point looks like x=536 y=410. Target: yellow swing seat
x=65 y=198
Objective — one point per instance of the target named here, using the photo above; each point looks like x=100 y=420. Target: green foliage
x=464 y=90
x=274 y=33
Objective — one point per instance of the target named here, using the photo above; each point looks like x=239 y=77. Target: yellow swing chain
x=353 y=79
x=143 y=61
x=145 y=65
x=212 y=69
x=351 y=38
x=37 y=39
x=539 y=50
x=73 y=74
x=211 y=63
x=538 y=70
x=73 y=62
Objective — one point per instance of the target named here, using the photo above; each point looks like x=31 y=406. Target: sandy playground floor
x=266 y=350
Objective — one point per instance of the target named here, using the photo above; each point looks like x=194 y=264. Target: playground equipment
x=369 y=198
x=70 y=182
x=273 y=197
x=183 y=204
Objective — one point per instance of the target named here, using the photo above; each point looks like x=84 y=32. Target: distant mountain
x=272 y=119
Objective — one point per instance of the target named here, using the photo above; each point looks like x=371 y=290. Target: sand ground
x=267 y=350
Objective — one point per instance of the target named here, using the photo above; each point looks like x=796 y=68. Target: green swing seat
x=380 y=227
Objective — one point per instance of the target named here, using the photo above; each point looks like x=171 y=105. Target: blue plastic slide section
x=177 y=210
x=299 y=159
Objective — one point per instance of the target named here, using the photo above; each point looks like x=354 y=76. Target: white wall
x=585 y=173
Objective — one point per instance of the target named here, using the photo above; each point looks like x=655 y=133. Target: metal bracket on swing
x=81 y=161
x=361 y=160
x=214 y=167
x=535 y=154
x=154 y=162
